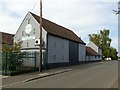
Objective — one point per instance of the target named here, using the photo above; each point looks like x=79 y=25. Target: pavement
x=11 y=80
x=1 y=76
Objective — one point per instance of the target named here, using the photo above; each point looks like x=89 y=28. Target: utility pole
x=119 y=28
x=40 y=66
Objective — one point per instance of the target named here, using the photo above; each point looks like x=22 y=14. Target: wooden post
x=40 y=67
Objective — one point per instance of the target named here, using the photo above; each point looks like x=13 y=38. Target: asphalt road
x=95 y=75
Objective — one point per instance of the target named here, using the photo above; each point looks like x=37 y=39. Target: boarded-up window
x=54 y=57
x=62 y=46
x=54 y=44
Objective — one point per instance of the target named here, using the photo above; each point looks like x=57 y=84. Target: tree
x=15 y=48
x=14 y=55
x=103 y=41
x=95 y=38
x=113 y=53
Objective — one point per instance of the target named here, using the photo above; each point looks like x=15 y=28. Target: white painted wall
x=35 y=32
x=82 y=52
x=31 y=43
x=58 y=50
x=35 y=28
x=95 y=48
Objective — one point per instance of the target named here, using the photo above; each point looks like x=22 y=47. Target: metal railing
x=18 y=63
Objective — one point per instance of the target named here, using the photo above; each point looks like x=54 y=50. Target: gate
x=18 y=63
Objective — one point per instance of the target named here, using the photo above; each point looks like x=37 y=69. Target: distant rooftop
x=91 y=52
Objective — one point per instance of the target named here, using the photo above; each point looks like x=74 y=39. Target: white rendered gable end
x=93 y=46
x=18 y=36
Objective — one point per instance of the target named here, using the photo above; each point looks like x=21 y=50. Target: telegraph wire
x=34 y=5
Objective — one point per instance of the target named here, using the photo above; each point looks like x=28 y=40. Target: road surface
x=93 y=75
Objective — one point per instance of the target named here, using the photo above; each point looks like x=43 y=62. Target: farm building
x=93 y=52
x=60 y=45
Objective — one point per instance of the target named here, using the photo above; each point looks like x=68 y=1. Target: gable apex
x=58 y=30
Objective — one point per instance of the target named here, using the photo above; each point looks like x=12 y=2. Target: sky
x=84 y=17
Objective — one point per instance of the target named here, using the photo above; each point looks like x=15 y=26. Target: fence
x=17 y=63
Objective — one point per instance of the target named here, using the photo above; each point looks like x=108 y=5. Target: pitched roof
x=58 y=30
x=7 y=38
x=91 y=52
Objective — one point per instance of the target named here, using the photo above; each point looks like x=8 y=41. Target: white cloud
x=82 y=16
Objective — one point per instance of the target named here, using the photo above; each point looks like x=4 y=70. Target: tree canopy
x=15 y=48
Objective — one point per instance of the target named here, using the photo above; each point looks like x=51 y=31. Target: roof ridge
x=6 y=33
x=58 y=30
x=92 y=51
x=52 y=22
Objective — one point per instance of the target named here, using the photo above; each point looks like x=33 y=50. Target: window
x=22 y=33
x=18 y=40
x=98 y=56
x=34 y=31
x=27 y=44
x=95 y=56
x=28 y=21
x=54 y=57
x=54 y=44
x=62 y=45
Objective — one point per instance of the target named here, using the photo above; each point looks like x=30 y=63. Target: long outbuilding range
x=60 y=45
x=93 y=52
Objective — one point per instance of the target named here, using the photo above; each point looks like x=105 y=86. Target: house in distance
x=93 y=52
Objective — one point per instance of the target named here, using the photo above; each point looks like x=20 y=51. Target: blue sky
x=82 y=16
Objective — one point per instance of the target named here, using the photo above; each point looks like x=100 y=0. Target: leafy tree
x=14 y=55
x=15 y=48
x=103 y=41
x=95 y=38
x=113 y=53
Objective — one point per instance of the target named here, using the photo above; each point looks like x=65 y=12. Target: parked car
x=108 y=59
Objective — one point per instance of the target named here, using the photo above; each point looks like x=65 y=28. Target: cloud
x=82 y=16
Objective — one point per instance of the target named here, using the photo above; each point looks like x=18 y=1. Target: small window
x=18 y=40
x=54 y=44
x=54 y=57
x=22 y=33
x=34 y=31
x=63 y=46
x=27 y=44
x=95 y=56
x=28 y=21
x=98 y=56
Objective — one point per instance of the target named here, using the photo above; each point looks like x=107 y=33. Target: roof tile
x=58 y=30
x=90 y=51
